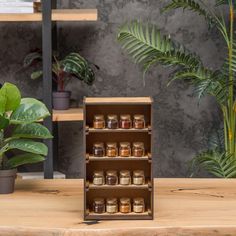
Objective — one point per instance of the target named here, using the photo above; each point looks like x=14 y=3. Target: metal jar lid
x=112 y=145
x=139 y=117
x=125 y=117
x=99 y=117
x=111 y=173
x=125 y=144
x=125 y=173
x=137 y=173
x=99 y=201
x=98 y=145
x=125 y=200
x=112 y=117
x=138 y=200
x=138 y=145
x=98 y=173
x=111 y=200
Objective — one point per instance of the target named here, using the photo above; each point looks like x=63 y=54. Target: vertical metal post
x=47 y=79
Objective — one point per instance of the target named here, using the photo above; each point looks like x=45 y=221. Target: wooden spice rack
x=117 y=105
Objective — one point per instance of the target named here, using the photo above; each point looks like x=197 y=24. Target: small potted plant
x=72 y=66
x=19 y=130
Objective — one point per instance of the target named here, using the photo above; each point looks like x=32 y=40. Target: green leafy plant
x=72 y=66
x=19 y=128
x=148 y=47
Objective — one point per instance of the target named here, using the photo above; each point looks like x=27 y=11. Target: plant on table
x=148 y=47
x=72 y=66
x=19 y=130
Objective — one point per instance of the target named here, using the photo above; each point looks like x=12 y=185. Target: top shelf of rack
x=57 y=15
x=118 y=100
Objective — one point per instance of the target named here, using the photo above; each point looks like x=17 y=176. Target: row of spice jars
x=111 y=178
x=124 y=150
x=125 y=206
x=125 y=122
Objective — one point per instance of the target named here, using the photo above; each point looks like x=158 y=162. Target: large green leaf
x=12 y=97
x=33 y=130
x=3 y=101
x=4 y=122
x=28 y=146
x=27 y=158
x=29 y=111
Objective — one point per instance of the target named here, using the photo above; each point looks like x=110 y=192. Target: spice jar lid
x=98 y=145
x=138 y=200
x=125 y=200
x=139 y=117
x=111 y=200
x=98 y=173
x=99 y=201
x=111 y=173
x=138 y=173
x=138 y=144
x=112 y=117
x=99 y=117
x=124 y=144
x=112 y=145
x=124 y=173
x=125 y=117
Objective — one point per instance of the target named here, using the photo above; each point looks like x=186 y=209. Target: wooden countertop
x=183 y=207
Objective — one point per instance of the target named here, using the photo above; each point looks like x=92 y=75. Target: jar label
x=138 y=180
x=138 y=208
x=111 y=208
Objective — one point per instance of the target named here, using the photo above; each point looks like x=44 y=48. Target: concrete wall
x=181 y=124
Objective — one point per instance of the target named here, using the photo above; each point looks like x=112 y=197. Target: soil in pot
x=61 y=100
x=7 y=181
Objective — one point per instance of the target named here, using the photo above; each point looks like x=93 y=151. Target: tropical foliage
x=148 y=47
x=19 y=128
x=72 y=66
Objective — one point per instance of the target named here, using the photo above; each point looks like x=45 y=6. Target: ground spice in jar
x=138 y=205
x=138 y=149
x=99 y=205
x=98 y=149
x=125 y=122
x=112 y=122
x=112 y=205
x=138 y=177
x=111 y=177
x=98 y=178
x=139 y=122
x=125 y=177
x=99 y=122
x=125 y=205
x=125 y=149
x=112 y=150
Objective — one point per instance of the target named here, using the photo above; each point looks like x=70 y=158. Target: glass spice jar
x=125 y=205
x=112 y=205
x=125 y=177
x=138 y=205
x=99 y=205
x=99 y=122
x=98 y=149
x=125 y=149
x=139 y=122
x=111 y=177
x=112 y=122
x=138 y=177
x=98 y=178
x=138 y=149
x=112 y=150
x=125 y=122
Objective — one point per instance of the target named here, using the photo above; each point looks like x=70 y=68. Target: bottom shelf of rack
x=147 y=215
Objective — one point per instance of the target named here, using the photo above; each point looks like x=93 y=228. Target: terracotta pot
x=7 y=181
x=61 y=100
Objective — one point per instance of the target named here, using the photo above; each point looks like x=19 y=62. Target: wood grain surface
x=183 y=207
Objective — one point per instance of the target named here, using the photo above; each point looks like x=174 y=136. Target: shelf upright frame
x=47 y=79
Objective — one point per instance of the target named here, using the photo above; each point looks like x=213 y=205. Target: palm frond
x=219 y=164
x=216 y=139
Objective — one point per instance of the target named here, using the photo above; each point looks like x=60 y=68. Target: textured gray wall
x=181 y=125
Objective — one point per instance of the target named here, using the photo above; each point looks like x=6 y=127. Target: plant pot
x=61 y=100
x=7 y=181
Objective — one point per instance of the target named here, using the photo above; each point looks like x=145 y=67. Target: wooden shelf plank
x=73 y=114
x=132 y=158
x=92 y=130
x=57 y=15
x=118 y=100
x=118 y=186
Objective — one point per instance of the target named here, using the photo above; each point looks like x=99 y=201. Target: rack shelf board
x=57 y=15
x=106 y=158
x=118 y=100
x=92 y=130
x=91 y=186
x=73 y=114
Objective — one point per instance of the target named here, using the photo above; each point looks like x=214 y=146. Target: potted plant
x=72 y=66
x=148 y=47
x=19 y=130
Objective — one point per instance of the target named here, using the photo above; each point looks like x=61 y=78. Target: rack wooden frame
x=116 y=105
